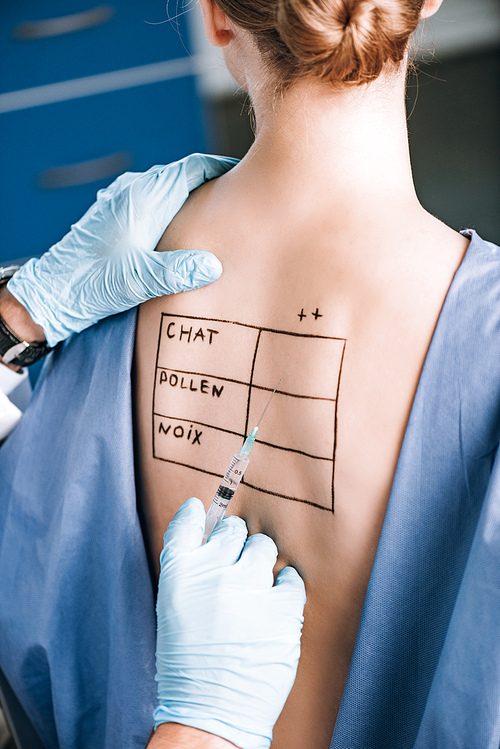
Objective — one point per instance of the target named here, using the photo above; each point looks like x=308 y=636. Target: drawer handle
x=70 y=175
x=64 y=24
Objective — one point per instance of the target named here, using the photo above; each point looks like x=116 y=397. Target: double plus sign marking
x=301 y=314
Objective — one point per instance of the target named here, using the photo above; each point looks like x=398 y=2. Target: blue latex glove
x=228 y=641
x=106 y=263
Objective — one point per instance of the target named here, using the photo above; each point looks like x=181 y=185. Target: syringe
x=232 y=478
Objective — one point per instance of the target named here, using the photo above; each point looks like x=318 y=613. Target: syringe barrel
x=225 y=492
x=234 y=473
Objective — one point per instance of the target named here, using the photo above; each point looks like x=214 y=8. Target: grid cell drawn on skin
x=227 y=371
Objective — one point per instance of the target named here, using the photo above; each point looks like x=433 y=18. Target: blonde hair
x=339 y=41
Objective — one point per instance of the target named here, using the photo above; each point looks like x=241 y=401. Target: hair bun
x=346 y=41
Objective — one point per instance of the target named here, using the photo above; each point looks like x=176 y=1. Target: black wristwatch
x=13 y=349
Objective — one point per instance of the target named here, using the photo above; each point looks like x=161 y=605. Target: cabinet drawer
x=58 y=156
x=42 y=43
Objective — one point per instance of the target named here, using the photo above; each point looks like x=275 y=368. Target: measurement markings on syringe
x=224 y=371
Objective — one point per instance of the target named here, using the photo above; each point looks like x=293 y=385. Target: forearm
x=176 y=736
x=18 y=318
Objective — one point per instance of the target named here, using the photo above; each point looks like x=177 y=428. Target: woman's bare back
x=345 y=314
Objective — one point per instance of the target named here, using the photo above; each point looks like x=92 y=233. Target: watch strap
x=14 y=350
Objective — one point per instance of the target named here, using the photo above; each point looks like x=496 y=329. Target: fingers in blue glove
x=185 y=530
x=227 y=540
x=185 y=533
x=258 y=559
x=184 y=270
x=107 y=264
x=228 y=641
x=289 y=581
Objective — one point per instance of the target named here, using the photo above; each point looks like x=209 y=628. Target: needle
x=269 y=401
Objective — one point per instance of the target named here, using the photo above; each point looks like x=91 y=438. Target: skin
x=175 y=736
x=298 y=224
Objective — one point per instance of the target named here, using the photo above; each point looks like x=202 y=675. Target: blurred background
x=88 y=91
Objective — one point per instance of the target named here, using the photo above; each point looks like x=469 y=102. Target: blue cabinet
x=43 y=42
x=120 y=95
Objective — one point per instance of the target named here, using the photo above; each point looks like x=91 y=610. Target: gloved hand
x=228 y=641
x=106 y=263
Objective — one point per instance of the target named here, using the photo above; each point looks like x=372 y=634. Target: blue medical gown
x=77 y=627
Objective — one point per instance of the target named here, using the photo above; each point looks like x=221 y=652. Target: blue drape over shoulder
x=77 y=629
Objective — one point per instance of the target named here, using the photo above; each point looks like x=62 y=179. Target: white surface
x=10 y=415
x=15 y=393
x=16 y=385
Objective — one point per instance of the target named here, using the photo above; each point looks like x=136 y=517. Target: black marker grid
x=251 y=386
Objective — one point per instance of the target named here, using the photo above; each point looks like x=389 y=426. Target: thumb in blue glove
x=228 y=640
x=107 y=264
